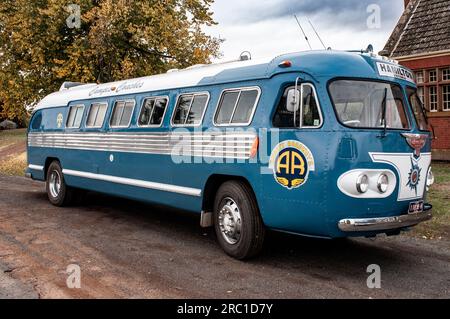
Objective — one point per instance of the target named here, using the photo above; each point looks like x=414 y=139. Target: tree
x=41 y=44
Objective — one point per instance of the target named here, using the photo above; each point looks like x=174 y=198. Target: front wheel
x=59 y=194
x=237 y=221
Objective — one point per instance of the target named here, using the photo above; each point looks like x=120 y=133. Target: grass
x=441 y=172
x=8 y=137
x=12 y=163
x=439 y=194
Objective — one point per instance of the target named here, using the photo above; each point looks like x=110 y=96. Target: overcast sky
x=268 y=27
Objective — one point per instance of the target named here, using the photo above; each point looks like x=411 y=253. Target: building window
x=420 y=93
x=433 y=96
x=432 y=76
x=446 y=74
x=446 y=97
x=419 y=77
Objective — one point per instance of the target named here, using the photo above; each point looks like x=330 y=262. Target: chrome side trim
x=36 y=167
x=212 y=144
x=383 y=223
x=136 y=182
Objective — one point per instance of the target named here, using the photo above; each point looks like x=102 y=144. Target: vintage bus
x=326 y=144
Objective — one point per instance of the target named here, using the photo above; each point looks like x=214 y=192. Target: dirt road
x=128 y=249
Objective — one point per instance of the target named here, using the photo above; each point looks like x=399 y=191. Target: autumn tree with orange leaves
x=42 y=44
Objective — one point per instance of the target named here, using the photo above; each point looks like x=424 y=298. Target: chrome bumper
x=383 y=223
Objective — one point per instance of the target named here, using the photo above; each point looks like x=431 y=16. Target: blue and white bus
x=326 y=144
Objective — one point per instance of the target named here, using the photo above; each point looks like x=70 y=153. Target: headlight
x=383 y=183
x=362 y=183
x=430 y=178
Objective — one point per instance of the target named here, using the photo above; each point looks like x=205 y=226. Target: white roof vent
x=195 y=66
x=69 y=85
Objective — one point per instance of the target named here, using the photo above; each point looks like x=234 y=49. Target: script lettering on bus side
x=120 y=88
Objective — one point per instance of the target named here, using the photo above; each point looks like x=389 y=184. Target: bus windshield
x=418 y=109
x=369 y=104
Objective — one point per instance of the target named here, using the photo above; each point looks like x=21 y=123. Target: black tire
x=252 y=230
x=64 y=196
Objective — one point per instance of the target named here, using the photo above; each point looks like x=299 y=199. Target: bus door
x=294 y=185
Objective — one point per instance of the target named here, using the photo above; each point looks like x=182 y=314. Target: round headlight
x=383 y=183
x=362 y=183
x=430 y=178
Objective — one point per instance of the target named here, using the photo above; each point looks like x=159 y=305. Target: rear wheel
x=237 y=221
x=59 y=194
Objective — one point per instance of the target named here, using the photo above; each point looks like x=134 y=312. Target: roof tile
x=424 y=27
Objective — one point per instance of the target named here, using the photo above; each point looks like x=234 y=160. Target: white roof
x=177 y=79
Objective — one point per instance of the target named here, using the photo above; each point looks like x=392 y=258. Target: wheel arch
x=212 y=186
x=48 y=161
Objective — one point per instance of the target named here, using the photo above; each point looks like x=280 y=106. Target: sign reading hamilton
x=395 y=71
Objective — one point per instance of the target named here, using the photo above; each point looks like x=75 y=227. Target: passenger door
x=294 y=184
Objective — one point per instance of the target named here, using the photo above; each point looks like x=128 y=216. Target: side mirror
x=293 y=100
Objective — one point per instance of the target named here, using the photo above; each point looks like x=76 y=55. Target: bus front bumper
x=384 y=223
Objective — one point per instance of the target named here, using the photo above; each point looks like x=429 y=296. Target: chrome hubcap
x=54 y=183
x=230 y=221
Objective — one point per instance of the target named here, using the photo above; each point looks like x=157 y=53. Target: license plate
x=415 y=207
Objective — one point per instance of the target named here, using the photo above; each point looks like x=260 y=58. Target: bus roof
x=318 y=63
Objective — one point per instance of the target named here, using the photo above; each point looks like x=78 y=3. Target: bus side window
x=284 y=118
x=190 y=109
x=310 y=115
x=237 y=106
x=75 y=116
x=96 y=115
x=152 y=111
x=37 y=120
x=122 y=113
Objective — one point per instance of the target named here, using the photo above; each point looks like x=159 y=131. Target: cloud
x=267 y=27
x=347 y=13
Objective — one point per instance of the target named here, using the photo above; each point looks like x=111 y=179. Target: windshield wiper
x=383 y=113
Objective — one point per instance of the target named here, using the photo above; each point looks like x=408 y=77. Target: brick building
x=421 y=42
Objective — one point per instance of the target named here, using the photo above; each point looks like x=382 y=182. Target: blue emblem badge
x=414 y=176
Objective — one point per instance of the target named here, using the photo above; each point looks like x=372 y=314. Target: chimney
x=406 y=3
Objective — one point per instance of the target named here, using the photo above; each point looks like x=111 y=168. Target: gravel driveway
x=127 y=249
